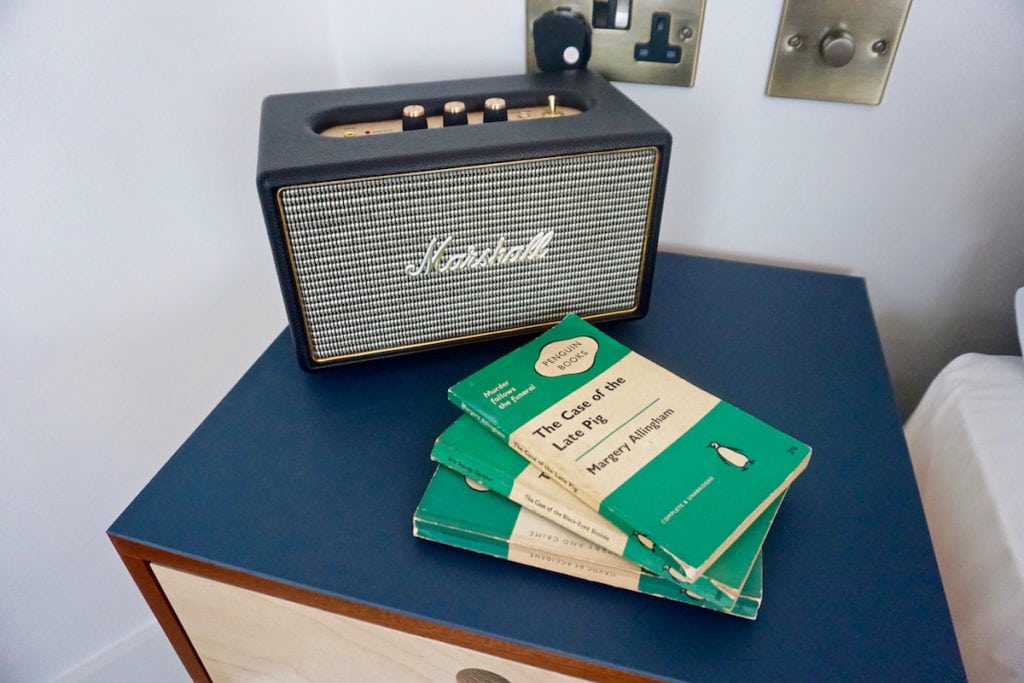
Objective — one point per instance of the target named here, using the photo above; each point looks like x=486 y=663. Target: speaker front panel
x=389 y=263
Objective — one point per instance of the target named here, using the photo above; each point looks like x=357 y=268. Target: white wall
x=137 y=284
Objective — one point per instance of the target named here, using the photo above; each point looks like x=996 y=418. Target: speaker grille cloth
x=351 y=242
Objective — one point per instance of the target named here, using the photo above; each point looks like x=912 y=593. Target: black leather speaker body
x=392 y=243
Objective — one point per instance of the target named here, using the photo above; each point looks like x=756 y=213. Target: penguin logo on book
x=475 y=485
x=675 y=574
x=644 y=540
x=697 y=596
x=731 y=456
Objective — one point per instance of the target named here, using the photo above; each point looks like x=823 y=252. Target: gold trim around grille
x=508 y=331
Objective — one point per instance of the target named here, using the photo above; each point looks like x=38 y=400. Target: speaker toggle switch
x=552 y=110
x=454 y=114
x=414 y=117
x=495 y=110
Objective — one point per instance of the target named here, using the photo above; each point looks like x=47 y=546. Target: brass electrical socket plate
x=612 y=50
x=798 y=68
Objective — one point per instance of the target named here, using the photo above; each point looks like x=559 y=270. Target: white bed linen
x=966 y=442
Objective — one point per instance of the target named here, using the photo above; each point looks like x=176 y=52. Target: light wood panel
x=243 y=635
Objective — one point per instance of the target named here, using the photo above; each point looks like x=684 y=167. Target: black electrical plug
x=561 y=40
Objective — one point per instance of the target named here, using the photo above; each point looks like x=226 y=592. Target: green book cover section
x=665 y=461
x=471 y=450
x=462 y=513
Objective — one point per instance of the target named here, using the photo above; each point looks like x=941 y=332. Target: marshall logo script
x=438 y=259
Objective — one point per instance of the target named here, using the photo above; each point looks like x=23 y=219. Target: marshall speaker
x=408 y=217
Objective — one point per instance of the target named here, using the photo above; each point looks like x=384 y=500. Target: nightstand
x=277 y=542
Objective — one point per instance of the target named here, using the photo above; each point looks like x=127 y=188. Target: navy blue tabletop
x=311 y=481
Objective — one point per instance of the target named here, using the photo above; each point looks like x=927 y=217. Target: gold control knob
x=495 y=110
x=414 y=117
x=455 y=114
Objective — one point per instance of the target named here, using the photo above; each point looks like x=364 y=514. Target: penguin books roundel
x=566 y=357
x=517 y=387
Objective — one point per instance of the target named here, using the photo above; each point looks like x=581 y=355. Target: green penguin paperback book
x=475 y=452
x=462 y=513
x=662 y=459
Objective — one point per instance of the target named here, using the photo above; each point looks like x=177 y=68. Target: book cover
x=473 y=451
x=662 y=459
x=459 y=512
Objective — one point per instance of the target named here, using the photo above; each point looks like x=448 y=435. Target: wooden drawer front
x=243 y=635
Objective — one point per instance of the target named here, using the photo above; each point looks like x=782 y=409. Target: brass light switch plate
x=839 y=50
x=640 y=41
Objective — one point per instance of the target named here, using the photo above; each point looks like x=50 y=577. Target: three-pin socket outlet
x=640 y=41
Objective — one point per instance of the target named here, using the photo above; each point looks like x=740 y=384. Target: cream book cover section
x=459 y=512
x=476 y=453
x=665 y=461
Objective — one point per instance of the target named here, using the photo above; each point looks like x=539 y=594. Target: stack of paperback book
x=578 y=455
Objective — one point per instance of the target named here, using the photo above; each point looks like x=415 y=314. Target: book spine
x=485 y=545
x=524 y=451
x=638 y=581
x=468 y=410
x=583 y=494
x=579 y=520
x=473 y=468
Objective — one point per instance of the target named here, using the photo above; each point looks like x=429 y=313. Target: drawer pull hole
x=479 y=676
